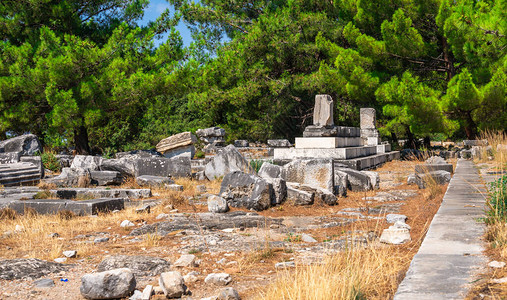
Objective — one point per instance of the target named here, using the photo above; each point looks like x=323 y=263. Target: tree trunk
x=470 y=126
x=81 y=140
x=427 y=142
x=410 y=138
x=449 y=60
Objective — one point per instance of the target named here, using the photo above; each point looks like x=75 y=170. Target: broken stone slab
x=141 y=266
x=161 y=166
x=357 y=180
x=87 y=162
x=279 y=190
x=240 y=189
x=341 y=181
x=36 y=161
x=465 y=154
x=323 y=111
x=217 y=204
x=181 y=144
x=241 y=143
x=470 y=143
x=23 y=268
x=27 y=144
x=395 y=235
x=172 y=284
x=70 y=177
x=425 y=168
x=126 y=166
x=280 y=143
x=299 y=197
x=211 y=135
x=87 y=193
x=435 y=160
x=17 y=174
x=138 y=154
x=269 y=170
x=110 y=284
x=439 y=177
x=374 y=179
x=207 y=221
x=319 y=194
x=227 y=160
x=313 y=172
x=80 y=208
x=10 y=157
x=103 y=178
x=44 y=283
x=156 y=181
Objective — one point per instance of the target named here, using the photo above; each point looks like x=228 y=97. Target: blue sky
x=154 y=10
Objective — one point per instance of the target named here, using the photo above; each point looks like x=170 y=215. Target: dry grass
x=32 y=237
x=357 y=273
x=494 y=138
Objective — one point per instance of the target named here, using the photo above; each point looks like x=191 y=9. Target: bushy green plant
x=50 y=161
x=256 y=164
x=498 y=198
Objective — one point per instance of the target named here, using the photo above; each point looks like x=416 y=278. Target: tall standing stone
x=323 y=111
x=369 y=131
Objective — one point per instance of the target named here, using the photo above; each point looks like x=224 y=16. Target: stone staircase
x=21 y=173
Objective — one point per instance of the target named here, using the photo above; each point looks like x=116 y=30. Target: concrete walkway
x=451 y=253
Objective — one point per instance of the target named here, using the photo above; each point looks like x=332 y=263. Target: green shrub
x=498 y=198
x=50 y=161
x=256 y=164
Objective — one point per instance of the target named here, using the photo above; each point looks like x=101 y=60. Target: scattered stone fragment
x=392 y=218
x=285 y=264
x=411 y=179
x=395 y=235
x=187 y=260
x=100 y=240
x=279 y=189
x=70 y=253
x=137 y=295
x=174 y=187
x=111 y=284
x=499 y=280
x=147 y=292
x=497 y=264
x=44 y=283
x=308 y=238
x=229 y=293
x=217 y=204
x=150 y=180
x=435 y=160
x=145 y=209
x=201 y=189
x=162 y=216
x=190 y=278
x=141 y=266
x=218 y=279
x=60 y=260
x=172 y=284
x=127 y=223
